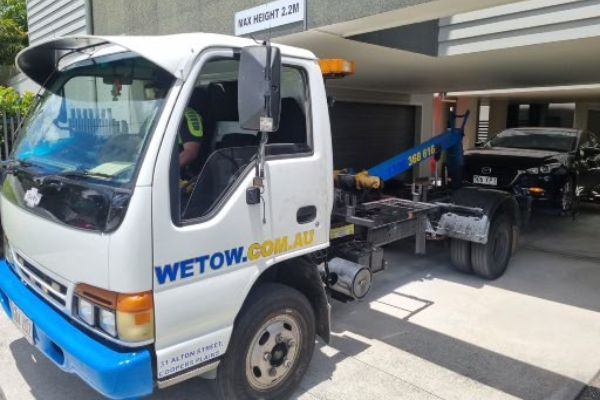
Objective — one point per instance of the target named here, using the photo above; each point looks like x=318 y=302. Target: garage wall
x=365 y=134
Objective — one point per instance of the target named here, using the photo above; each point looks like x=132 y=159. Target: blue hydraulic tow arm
x=450 y=141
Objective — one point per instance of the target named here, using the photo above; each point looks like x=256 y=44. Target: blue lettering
x=202 y=262
x=187 y=268
x=217 y=260
x=167 y=272
x=234 y=256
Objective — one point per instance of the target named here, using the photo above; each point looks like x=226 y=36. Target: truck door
x=299 y=166
x=209 y=245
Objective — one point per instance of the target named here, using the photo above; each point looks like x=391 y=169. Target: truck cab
x=122 y=270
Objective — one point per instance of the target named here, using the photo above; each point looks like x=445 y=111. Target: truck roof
x=174 y=53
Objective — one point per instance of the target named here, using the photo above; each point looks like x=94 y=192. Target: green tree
x=12 y=103
x=13 y=29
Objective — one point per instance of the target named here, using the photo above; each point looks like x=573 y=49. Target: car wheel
x=271 y=346
x=460 y=255
x=567 y=195
x=490 y=260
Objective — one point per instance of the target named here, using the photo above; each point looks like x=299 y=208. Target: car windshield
x=94 y=119
x=535 y=139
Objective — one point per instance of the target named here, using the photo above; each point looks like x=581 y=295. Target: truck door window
x=212 y=151
x=292 y=136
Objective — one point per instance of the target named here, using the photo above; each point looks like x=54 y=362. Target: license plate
x=485 y=180
x=23 y=322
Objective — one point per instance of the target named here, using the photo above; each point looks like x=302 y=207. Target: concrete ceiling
x=390 y=70
x=425 y=11
x=555 y=94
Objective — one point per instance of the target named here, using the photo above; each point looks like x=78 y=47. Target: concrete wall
x=498 y=116
x=582 y=110
x=173 y=16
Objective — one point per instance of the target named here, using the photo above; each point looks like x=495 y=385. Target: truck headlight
x=127 y=317
x=85 y=311
x=107 y=321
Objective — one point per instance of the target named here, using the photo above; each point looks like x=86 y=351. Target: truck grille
x=49 y=288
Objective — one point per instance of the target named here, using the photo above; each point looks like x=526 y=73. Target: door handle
x=306 y=214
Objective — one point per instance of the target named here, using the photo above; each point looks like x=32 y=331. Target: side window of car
x=222 y=151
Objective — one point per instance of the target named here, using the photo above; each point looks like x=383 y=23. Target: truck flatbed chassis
x=390 y=219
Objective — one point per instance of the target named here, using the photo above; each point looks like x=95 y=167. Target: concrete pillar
x=440 y=114
x=581 y=115
x=498 y=116
x=472 y=104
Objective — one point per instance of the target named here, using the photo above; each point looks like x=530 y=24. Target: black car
x=548 y=165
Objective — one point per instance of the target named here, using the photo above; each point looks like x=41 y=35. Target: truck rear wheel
x=460 y=255
x=491 y=259
x=271 y=346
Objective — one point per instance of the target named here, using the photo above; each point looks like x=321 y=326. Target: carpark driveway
x=427 y=332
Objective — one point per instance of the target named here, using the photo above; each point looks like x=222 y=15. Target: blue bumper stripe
x=117 y=375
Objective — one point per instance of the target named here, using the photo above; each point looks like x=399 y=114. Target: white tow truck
x=135 y=275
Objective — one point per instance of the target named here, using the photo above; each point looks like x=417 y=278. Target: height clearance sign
x=271 y=15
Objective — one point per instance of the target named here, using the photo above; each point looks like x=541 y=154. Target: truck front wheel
x=491 y=259
x=271 y=345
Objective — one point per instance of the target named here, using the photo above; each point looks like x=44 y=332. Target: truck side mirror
x=259 y=95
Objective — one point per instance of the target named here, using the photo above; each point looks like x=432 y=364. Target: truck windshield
x=94 y=119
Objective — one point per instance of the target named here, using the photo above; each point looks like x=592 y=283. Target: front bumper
x=115 y=374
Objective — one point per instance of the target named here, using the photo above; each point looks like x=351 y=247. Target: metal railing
x=8 y=132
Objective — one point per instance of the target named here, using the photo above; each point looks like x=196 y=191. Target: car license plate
x=23 y=322
x=485 y=180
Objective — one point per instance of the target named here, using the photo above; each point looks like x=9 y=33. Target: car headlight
x=126 y=317
x=546 y=169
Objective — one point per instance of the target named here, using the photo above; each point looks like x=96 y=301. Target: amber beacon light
x=337 y=67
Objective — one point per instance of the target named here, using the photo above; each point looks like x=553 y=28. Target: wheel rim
x=567 y=198
x=273 y=352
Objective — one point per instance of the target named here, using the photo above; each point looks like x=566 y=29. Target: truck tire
x=460 y=255
x=491 y=259
x=271 y=346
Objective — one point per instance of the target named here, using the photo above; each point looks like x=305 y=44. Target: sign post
x=270 y=15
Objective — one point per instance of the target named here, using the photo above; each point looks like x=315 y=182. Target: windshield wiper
x=70 y=175
x=85 y=174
